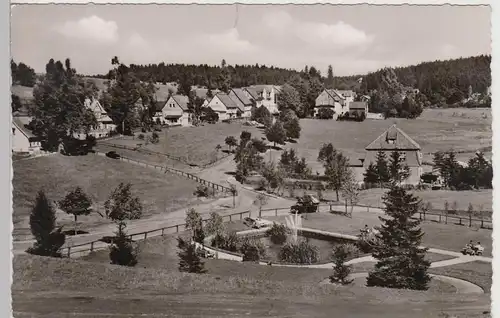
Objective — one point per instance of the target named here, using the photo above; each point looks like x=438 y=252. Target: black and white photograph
x=251 y=160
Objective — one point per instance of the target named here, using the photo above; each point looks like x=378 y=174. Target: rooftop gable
x=182 y=101
x=393 y=139
x=227 y=101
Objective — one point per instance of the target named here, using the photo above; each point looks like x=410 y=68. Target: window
x=13 y=131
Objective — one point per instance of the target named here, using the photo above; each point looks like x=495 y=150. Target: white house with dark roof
x=176 y=112
x=358 y=108
x=241 y=98
x=265 y=95
x=393 y=139
x=226 y=107
x=23 y=140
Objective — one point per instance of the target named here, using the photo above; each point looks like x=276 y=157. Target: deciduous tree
x=77 y=203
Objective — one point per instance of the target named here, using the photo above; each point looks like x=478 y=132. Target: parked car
x=305 y=204
x=248 y=221
x=113 y=155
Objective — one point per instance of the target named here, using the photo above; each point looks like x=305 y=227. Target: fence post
x=230 y=218
x=91 y=247
x=470 y=220
x=482 y=224
x=330 y=207
x=162 y=231
x=446 y=217
x=177 y=228
x=440 y=217
x=69 y=250
x=459 y=221
x=276 y=212
x=241 y=216
x=145 y=235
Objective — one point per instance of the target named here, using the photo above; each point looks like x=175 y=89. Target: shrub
x=226 y=241
x=252 y=249
x=341 y=271
x=301 y=252
x=325 y=113
x=278 y=233
x=121 y=250
x=202 y=191
x=141 y=137
x=189 y=260
x=155 y=138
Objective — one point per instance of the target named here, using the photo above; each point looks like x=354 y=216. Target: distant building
x=105 y=124
x=158 y=114
x=175 y=111
x=358 y=108
x=23 y=140
x=336 y=100
x=226 y=107
x=393 y=139
x=265 y=95
x=243 y=100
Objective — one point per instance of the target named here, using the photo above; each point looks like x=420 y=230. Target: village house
x=265 y=95
x=23 y=140
x=104 y=125
x=393 y=139
x=241 y=98
x=333 y=99
x=226 y=107
x=358 y=108
x=158 y=114
x=176 y=112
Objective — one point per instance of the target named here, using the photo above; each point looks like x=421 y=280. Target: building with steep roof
x=241 y=98
x=336 y=100
x=226 y=107
x=265 y=95
x=175 y=111
x=394 y=139
x=105 y=124
x=23 y=140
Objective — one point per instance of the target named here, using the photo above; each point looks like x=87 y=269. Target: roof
x=19 y=122
x=334 y=94
x=159 y=105
x=227 y=101
x=202 y=92
x=260 y=88
x=253 y=92
x=348 y=93
x=182 y=101
x=242 y=96
x=401 y=141
x=358 y=105
x=94 y=105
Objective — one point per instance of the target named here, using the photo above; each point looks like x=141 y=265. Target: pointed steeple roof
x=393 y=139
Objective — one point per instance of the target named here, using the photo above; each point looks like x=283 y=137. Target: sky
x=354 y=39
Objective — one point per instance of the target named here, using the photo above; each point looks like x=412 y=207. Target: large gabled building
x=394 y=139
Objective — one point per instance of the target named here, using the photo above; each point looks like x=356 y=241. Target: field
x=194 y=144
x=98 y=176
x=437 y=198
x=436 y=129
x=81 y=289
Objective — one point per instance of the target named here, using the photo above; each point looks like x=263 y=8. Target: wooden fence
x=214 y=186
x=176 y=228
x=175 y=158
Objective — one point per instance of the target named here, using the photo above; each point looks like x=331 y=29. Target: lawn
x=62 y=287
x=480 y=199
x=437 y=235
x=436 y=129
x=194 y=144
x=98 y=176
x=479 y=273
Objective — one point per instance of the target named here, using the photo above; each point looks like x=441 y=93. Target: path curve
x=462 y=286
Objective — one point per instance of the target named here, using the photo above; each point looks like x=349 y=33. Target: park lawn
x=437 y=235
x=479 y=273
x=98 y=176
x=480 y=199
x=436 y=129
x=195 y=144
x=41 y=284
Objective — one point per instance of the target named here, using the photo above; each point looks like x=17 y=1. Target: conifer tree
x=398 y=169
x=371 y=175
x=382 y=168
x=401 y=260
x=48 y=240
x=341 y=270
x=189 y=260
x=121 y=250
